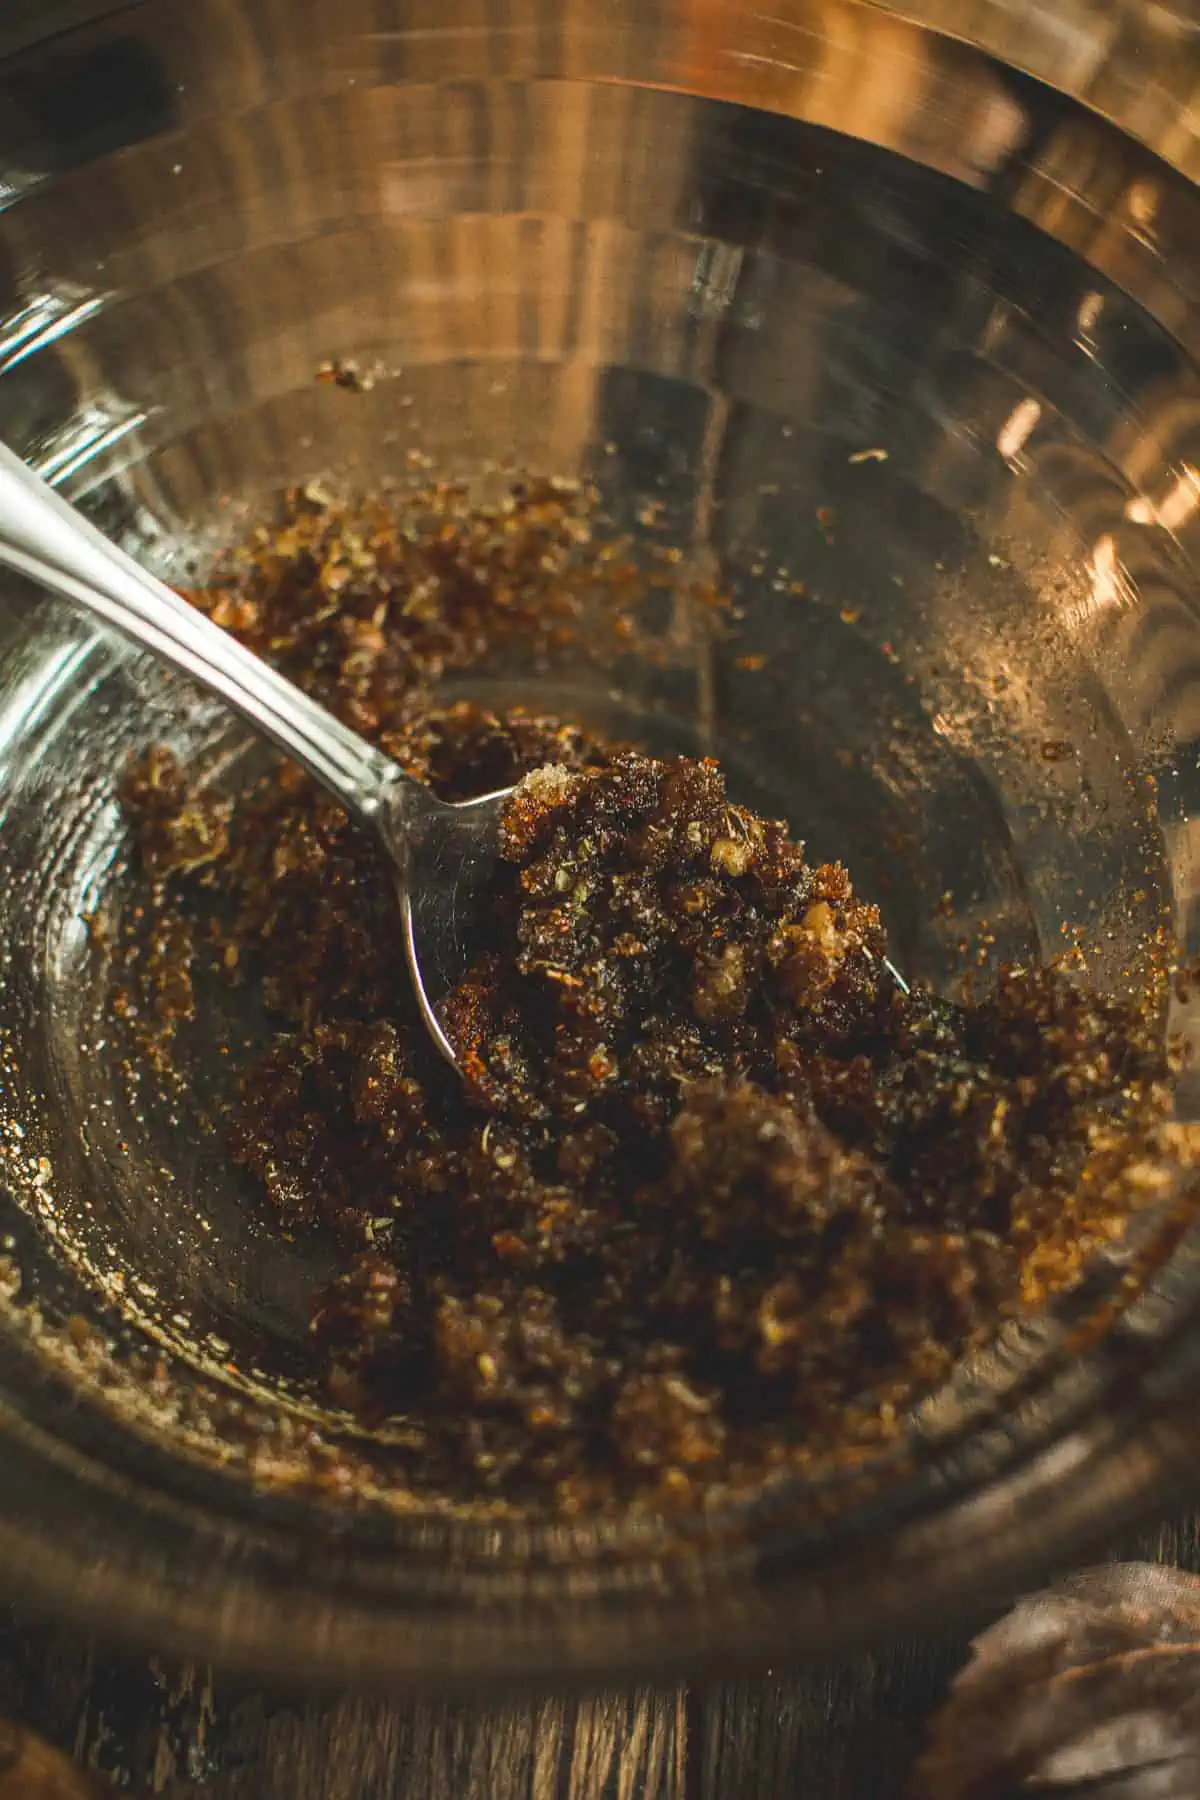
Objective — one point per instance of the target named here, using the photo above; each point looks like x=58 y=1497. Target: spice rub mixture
x=716 y=1192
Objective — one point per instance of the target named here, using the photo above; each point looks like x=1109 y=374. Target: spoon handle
x=43 y=537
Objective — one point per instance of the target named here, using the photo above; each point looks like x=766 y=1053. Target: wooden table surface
x=841 y=1732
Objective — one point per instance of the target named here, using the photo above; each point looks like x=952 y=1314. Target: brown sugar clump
x=715 y=1193
x=179 y=830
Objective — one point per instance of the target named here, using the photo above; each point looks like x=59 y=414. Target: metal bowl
x=895 y=328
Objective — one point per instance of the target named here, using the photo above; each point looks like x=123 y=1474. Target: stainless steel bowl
x=890 y=313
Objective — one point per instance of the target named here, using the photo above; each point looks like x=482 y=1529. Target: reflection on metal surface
x=43 y=320
x=90 y=434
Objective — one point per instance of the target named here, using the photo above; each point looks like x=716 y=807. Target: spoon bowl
x=442 y=852
x=444 y=855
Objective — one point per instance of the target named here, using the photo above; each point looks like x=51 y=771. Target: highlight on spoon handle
x=44 y=538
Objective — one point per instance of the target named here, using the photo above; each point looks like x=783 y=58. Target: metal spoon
x=442 y=854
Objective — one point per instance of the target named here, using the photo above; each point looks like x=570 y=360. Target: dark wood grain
x=849 y=1732
x=614 y=1747
x=844 y=1731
